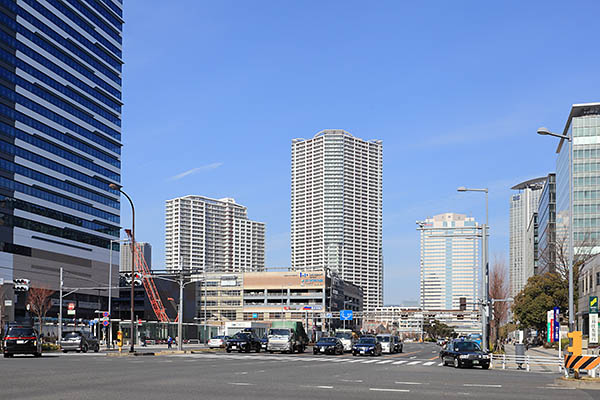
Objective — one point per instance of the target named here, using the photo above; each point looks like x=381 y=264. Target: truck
x=287 y=336
x=346 y=337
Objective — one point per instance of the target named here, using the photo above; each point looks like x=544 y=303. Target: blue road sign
x=254 y=315
x=556 y=324
x=346 y=315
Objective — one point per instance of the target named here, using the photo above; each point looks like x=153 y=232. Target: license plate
x=234 y=347
x=20 y=342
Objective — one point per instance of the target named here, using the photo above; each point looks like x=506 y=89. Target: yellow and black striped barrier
x=581 y=362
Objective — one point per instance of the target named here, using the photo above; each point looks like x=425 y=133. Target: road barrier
x=582 y=362
x=528 y=361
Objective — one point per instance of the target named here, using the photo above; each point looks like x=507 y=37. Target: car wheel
x=84 y=348
x=228 y=350
x=457 y=363
x=353 y=354
x=37 y=354
x=6 y=355
x=258 y=349
x=65 y=351
x=315 y=351
x=270 y=351
x=401 y=348
x=485 y=366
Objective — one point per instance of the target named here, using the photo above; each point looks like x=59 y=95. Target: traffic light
x=21 y=285
x=575 y=347
x=463 y=303
x=137 y=279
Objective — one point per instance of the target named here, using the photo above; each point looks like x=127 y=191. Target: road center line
x=481 y=385
x=241 y=383
x=351 y=380
x=389 y=390
x=409 y=383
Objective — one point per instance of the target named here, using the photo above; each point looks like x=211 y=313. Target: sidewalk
x=534 y=365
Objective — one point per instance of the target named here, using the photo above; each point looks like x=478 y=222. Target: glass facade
x=547 y=227
x=60 y=135
x=584 y=129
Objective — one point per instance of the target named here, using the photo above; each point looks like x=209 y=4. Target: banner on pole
x=550 y=326
x=556 y=324
x=593 y=328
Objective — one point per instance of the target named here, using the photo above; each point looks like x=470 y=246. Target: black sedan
x=329 y=345
x=244 y=341
x=22 y=340
x=367 y=345
x=464 y=353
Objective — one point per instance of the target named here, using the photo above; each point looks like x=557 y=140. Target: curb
x=585 y=383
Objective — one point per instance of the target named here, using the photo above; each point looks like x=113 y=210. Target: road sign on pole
x=71 y=309
x=346 y=315
x=105 y=314
x=105 y=322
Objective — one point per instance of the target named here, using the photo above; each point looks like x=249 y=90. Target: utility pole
x=60 y=303
x=180 y=312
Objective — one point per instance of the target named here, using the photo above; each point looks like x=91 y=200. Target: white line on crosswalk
x=414 y=362
x=429 y=363
x=385 y=361
x=369 y=361
x=354 y=361
x=440 y=364
x=399 y=362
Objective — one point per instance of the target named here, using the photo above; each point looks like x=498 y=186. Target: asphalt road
x=414 y=374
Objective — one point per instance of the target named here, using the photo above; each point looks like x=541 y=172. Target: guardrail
x=528 y=361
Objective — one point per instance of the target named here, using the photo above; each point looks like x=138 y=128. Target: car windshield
x=327 y=340
x=369 y=340
x=343 y=335
x=466 y=346
x=72 y=335
x=241 y=335
x=279 y=332
x=17 y=332
x=219 y=337
x=384 y=339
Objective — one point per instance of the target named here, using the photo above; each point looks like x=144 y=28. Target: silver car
x=79 y=341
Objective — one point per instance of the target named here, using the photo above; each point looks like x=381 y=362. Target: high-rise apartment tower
x=212 y=235
x=60 y=139
x=337 y=209
x=523 y=206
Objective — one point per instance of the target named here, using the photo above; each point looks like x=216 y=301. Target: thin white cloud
x=196 y=170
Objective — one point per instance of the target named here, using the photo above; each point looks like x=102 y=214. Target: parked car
x=328 y=345
x=243 y=341
x=367 y=345
x=218 y=342
x=79 y=341
x=21 y=339
x=464 y=353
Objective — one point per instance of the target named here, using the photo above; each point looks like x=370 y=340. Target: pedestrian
x=169 y=341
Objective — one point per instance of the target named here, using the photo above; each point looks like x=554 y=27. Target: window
x=597 y=278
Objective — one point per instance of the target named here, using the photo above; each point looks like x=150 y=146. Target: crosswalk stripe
x=414 y=362
x=369 y=361
x=399 y=362
x=440 y=364
x=385 y=361
x=429 y=363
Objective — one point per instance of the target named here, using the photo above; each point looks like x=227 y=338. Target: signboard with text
x=556 y=330
x=593 y=304
x=593 y=328
x=550 y=326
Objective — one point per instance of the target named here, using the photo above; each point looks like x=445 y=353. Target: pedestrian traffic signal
x=21 y=285
x=463 y=303
x=575 y=345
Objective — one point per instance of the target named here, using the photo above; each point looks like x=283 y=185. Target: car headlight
x=35 y=342
x=464 y=356
x=485 y=356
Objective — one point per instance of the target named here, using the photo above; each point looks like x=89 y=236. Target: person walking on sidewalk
x=169 y=341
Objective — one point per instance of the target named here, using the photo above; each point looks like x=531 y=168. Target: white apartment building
x=201 y=232
x=336 y=209
x=449 y=262
x=523 y=235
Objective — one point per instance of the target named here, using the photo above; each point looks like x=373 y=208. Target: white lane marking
x=409 y=383
x=354 y=361
x=399 y=362
x=413 y=357
x=389 y=390
x=241 y=383
x=351 y=380
x=385 y=361
x=480 y=385
x=241 y=373
x=429 y=363
x=369 y=361
x=441 y=364
x=556 y=387
x=414 y=362
x=324 y=387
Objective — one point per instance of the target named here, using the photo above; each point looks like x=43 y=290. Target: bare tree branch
x=498 y=291
x=39 y=303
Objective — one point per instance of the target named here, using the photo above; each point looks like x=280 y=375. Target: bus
x=475 y=337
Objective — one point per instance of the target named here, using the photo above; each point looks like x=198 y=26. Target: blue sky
x=215 y=91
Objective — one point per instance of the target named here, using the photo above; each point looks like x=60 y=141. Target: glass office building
x=60 y=142
x=583 y=126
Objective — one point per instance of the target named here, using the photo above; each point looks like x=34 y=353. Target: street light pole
x=485 y=268
x=120 y=189
x=545 y=131
x=60 y=304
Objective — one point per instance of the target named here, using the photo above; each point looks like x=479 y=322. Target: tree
x=540 y=294
x=436 y=329
x=39 y=303
x=498 y=291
